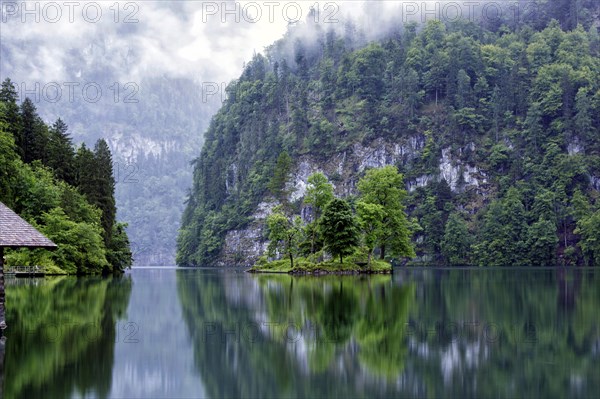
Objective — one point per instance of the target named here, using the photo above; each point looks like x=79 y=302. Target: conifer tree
x=34 y=138
x=11 y=115
x=105 y=187
x=61 y=155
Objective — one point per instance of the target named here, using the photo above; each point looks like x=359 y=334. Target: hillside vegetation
x=494 y=128
x=67 y=193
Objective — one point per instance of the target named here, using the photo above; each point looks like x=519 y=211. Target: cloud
x=204 y=41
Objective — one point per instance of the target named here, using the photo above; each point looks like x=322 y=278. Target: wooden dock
x=25 y=271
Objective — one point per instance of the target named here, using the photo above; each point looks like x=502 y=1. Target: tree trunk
x=369 y=258
x=341 y=260
x=382 y=252
x=292 y=260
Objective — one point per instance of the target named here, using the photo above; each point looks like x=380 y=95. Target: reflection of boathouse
x=14 y=233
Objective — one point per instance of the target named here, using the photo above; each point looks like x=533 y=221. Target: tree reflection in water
x=61 y=336
x=441 y=333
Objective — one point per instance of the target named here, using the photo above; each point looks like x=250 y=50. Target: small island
x=304 y=266
x=341 y=235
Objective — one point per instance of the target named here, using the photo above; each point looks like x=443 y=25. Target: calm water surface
x=158 y=333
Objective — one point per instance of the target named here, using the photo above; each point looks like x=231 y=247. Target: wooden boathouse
x=16 y=233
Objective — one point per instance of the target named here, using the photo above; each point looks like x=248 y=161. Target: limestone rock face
x=244 y=246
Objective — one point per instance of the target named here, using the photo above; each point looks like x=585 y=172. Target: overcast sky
x=202 y=40
x=207 y=41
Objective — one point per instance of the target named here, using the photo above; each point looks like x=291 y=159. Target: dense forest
x=66 y=192
x=494 y=127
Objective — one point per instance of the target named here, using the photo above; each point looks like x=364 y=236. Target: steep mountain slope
x=152 y=126
x=494 y=127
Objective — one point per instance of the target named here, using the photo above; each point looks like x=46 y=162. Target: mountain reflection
x=441 y=333
x=225 y=333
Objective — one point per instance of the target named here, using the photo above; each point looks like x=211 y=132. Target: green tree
x=61 y=155
x=284 y=234
x=318 y=193
x=104 y=190
x=94 y=178
x=503 y=236
x=80 y=245
x=384 y=187
x=280 y=176
x=34 y=136
x=589 y=229
x=11 y=114
x=119 y=254
x=410 y=92
x=583 y=117
x=457 y=241
x=370 y=219
x=339 y=230
x=463 y=94
x=541 y=243
x=432 y=222
x=8 y=162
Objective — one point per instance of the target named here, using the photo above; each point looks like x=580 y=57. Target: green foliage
x=280 y=175
x=457 y=241
x=284 y=234
x=38 y=171
x=119 y=254
x=61 y=157
x=384 y=187
x=8 y=163
x=339 y=229
x=503 y=234
x=80 y=248
x=514 y=106
x=541 y=243
x=370 y=218
x=319 y=193
x=589 y=228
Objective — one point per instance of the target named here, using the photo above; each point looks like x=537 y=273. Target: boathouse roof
x=16 y=232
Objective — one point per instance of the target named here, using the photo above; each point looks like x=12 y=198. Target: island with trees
x=341 y=235
x=493 y=126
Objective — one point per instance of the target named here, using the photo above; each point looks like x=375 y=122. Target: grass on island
x=352 y=264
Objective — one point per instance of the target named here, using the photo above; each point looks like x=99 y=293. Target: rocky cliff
x=494 y=130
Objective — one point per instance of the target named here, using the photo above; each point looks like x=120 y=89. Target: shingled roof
x=15 y=232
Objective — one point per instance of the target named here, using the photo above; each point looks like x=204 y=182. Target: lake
x=157 y=333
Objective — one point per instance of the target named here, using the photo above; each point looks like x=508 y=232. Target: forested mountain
x=495 y=127
x=66 y=192
x=151 y=119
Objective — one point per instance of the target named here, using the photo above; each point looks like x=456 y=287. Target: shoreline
x=319 y=272
x=303 y=267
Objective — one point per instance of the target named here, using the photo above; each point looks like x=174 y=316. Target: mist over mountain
x=491 y=120
x=135 y=77
x=148 y=76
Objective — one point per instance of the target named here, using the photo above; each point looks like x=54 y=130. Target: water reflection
x=283 y=336
x=225 y=333
x=440 y=333
x=61 y=336
x=157 y=359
